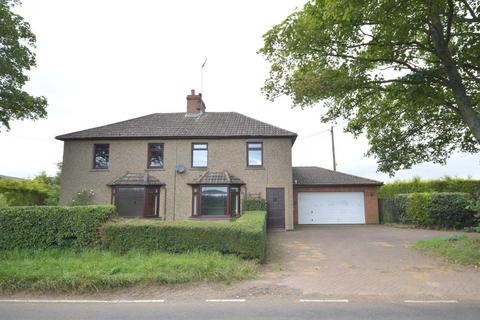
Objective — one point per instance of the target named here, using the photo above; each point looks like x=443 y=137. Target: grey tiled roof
x=182 y=125
x=321 y=176
x=136 y=179
x=222 y=177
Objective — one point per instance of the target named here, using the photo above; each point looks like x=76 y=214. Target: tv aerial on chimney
x=201 y=76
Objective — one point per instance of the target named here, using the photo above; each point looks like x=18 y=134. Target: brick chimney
x=195 y=103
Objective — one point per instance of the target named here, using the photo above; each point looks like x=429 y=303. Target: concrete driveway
x=367 y=260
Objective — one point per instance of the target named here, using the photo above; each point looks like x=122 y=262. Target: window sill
x=199 y=168
x=155 y=169
x=255 y=168
x=100 y=170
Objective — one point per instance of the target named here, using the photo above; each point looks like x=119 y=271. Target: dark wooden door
x=276 y=207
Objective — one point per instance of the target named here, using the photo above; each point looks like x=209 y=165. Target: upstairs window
x=254 y=154
x=100 y=156
x=155 y=155
x=199 y=155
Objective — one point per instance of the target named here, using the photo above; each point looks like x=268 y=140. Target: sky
x=100 y=62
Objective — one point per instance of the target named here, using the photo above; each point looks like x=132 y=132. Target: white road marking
x=78 y=301
x=225 y=300
x=431 y=301
x=325 y=300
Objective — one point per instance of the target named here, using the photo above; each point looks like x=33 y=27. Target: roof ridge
x=227 y=175
x=202 y=175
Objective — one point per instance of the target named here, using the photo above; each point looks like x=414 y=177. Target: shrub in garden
x=400 y=205
x=245 y=236
x=83 y=198
x=450 y=210
x=438 y=209
x=417 y=209
x=474 y=204
x=251 y=204
x=42 y=227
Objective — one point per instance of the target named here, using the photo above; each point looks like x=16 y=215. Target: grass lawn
x=94 y=270
x=457 y=249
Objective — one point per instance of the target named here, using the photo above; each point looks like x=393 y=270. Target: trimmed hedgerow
x=451 y=210
x=254 y=205
x=437 y=209
x=393 y=210
x=42 y=227
x=245 y=236
x=417 y=210
x=416 y=185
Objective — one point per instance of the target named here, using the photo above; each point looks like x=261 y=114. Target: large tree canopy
x=16 y=58
x=404 y=72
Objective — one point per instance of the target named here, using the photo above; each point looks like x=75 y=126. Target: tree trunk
x=464 y=105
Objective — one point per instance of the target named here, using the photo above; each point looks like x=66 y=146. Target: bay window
x=215 y=200
x=136 y=201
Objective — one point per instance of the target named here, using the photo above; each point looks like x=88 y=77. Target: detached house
x=198 y=164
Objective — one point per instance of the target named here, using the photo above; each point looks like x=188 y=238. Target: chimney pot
x=193 y=92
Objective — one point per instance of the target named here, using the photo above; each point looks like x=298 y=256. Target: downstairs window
x=210 y=200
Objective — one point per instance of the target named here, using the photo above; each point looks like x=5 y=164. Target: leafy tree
x=53 y=185
x=404 y=72
x=16 y=58
x=41 y=190
x=23 y=192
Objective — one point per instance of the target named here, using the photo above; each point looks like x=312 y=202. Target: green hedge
x=393 y=210
x=417 y=210
x=437 y=209
x=42 y=227
x=417 y=185
x=245 y=236
x=255 y=205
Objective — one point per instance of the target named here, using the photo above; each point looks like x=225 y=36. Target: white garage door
x=331 y=208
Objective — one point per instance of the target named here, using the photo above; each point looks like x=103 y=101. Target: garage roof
x=323 y=177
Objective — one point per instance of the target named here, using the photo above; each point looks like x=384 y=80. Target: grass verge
x=94 y=270
x=457 y=249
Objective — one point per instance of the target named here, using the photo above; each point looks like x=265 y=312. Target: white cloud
x=106 y=61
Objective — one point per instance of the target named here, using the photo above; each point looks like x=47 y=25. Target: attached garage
x=323 y=196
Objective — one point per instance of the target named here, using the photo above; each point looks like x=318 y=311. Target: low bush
x=474 y=204
x=417 y=185
x=393 y=210
x=255 y=205
x=439 y=209
x=42 y=227
x=450 y=210
x=417 y=210
x=245 y=236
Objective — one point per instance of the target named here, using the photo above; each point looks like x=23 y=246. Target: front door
x=276 y=207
